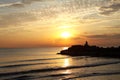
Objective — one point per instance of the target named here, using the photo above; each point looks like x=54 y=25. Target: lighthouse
x=86 y=44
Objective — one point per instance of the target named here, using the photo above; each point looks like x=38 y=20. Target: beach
x=45 y=64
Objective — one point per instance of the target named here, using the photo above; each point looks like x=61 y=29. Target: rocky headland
x=87 y=50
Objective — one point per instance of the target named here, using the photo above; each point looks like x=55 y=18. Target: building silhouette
x=88 y=50
x=86 y=44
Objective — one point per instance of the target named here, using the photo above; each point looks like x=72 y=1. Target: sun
x=65 y=35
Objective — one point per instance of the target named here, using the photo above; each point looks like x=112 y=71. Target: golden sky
x=40 y=23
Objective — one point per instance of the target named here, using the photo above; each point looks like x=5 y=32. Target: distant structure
x=86 y=44
x=88 y=50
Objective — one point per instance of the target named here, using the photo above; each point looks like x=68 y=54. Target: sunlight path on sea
x=66 y=62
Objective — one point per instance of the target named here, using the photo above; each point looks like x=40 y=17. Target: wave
x=27 y=77
x=21 y=65
x=33 y=60
x=56 y=69
x=21 y=78
x=93 y=74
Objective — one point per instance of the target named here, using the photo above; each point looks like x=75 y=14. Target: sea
x=45 y=64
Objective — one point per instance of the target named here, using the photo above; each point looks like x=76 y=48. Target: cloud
x=109 y=9
x=31 y=1
x=15 y=19
x=58 y=12
x=114 y=27
x=19 y=3
x=11 y=4
x=76 y=38
x=104 y=36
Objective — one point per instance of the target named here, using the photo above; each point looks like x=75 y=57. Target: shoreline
x=93 y=51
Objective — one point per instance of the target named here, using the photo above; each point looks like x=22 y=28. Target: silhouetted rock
x=87 y=50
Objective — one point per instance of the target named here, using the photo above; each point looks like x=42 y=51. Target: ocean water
x=45 y=64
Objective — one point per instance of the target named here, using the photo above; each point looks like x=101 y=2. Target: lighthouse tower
x=86 y=44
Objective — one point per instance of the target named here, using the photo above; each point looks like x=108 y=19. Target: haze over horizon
x=43 y=23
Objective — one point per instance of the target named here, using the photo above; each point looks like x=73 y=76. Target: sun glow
x=64 y=48
x=65 y=26
x=65 y=35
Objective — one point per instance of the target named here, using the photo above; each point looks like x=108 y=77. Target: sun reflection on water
x=66 y=62
x=67 y=72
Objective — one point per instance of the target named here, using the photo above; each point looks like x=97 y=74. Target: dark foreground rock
x=86 y=50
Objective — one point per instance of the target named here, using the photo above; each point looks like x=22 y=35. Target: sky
x=45 y=23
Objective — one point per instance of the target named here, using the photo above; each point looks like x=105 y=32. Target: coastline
x=93 y=51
